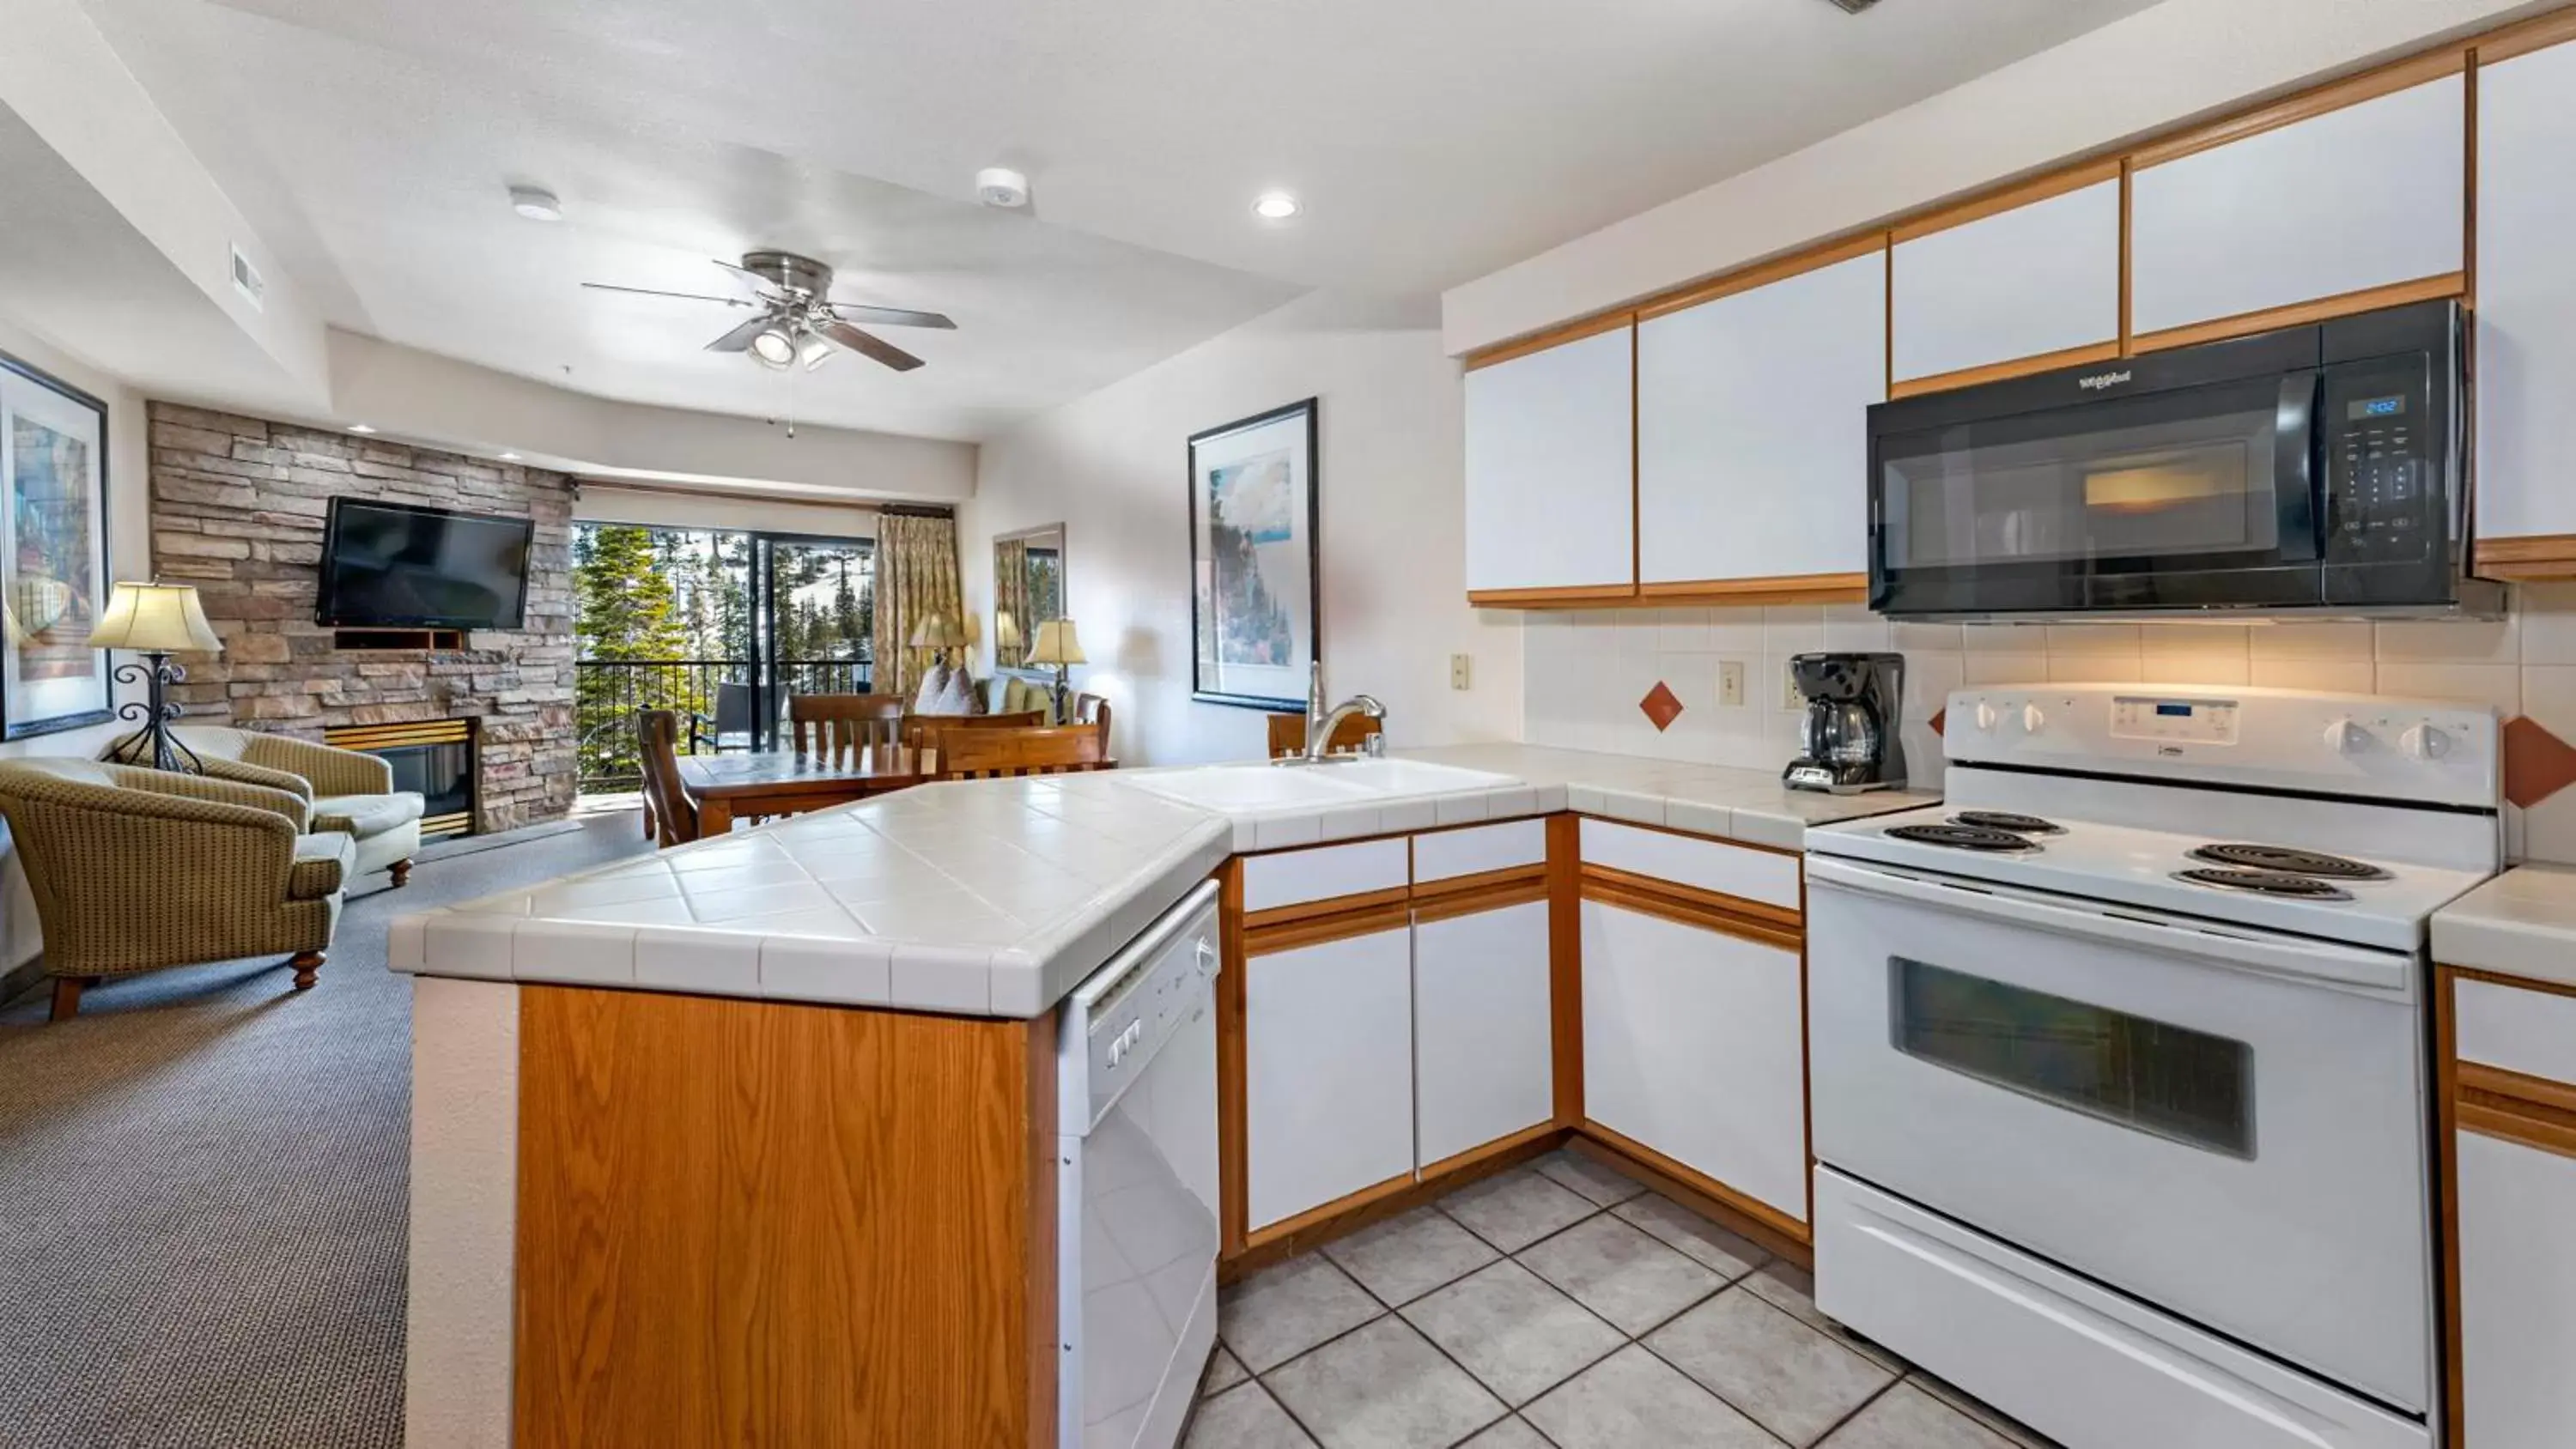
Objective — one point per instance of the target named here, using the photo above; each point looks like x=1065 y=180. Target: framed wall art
x=53 y=553
x=1255 y=614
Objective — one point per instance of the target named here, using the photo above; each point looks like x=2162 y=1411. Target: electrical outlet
x=1458 y=671
x=1730 y=683
x=1790 y=698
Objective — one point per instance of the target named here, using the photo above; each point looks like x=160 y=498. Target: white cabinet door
x=1328 y=1071
x=1551 y=448
x=2038 y=279
x=1752 y=428
x=2526 y=318
x=2517 y=1294
x=1483 y=1055
x=2364 y=196
x=1694 y=1044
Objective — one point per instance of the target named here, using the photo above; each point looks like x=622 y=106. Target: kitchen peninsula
x=757 y=1135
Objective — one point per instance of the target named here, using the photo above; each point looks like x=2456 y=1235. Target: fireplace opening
x=435 y=757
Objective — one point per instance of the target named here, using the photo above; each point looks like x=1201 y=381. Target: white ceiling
x=370 y=141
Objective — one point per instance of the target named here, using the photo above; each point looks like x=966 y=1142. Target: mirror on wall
x=1028 y=590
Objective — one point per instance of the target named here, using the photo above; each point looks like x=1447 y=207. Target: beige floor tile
x=1516 y=1334
x=1245 y=1417
x=1224 y=1371
x=1695 y=1237
x=1514 y=1209
x=1281 y=1312
x=1405 y=1257
x=1634 y=1400
x=1785 y=1376
x=1588 y=1178
x=1905 y=1417
x=1512 y=1433
x=1383 y=1387
x=1793 y=1290
x=1620 y=1273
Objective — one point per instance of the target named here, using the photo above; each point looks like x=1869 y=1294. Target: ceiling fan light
x=815 y=352
x=774 y=347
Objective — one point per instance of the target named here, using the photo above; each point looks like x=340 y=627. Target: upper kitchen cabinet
x=2020 y=282
x=2351 y=198
x=1752 y=444
x=1551 y=471
x=2526 y=314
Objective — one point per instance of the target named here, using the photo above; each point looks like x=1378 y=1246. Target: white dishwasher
x=1136 y=1185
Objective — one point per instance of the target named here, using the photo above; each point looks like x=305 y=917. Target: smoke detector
x=1003 y=187
x=1851 y=7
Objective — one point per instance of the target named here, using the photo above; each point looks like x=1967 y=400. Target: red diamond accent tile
x=2537 y=764
x=1661 y=706
x=1937 y=720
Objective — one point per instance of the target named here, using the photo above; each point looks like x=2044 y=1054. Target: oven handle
x=2377 y=973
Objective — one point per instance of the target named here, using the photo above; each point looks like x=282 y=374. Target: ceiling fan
x=797 y=321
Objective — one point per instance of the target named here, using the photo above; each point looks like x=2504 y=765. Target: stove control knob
x=1987 y=716
x=2032 y=720
x=2347 y=738
x=2424 y=742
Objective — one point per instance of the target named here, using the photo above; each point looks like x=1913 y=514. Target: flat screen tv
x=393 y=565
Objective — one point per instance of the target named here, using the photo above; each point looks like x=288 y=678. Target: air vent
x=1851 y=7
x=246 y=277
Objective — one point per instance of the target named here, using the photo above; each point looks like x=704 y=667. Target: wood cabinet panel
x=1551 y=468
x=1328 y=1072
x=2366 y=196
x=1483 y=1066
x=1752 y=445
x=2526 y=315
x=2029 y=282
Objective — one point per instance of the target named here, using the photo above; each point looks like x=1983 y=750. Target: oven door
x=2181 y=497
x=2226 y=1124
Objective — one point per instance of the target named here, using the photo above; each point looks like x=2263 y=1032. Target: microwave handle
x=2299 y=476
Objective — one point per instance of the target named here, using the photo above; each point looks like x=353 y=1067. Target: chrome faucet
x=1320 y=722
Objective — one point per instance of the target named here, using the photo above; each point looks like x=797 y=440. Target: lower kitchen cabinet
x=1328 y=1071
x=1483 y=1059
x=1694 y=1045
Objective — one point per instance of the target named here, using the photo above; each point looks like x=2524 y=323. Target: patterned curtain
x=1011 y=596
x=916 y=578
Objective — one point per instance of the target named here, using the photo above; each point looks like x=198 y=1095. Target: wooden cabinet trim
x=2529 y=556
x=1329 y=906
x=1317 y=1226
x=1776 y=589
x=2525 y=983
x=2300 y=314
x=2538 y=33
x=2009 y=197
x=1570 y=596
x=1369 y=920
x=1763 y=274
x=1574 y=331
x=2451 y=59
x=2515 y=1107
x=1233 y=1079
x=1530 y=889
x=1483 y=881
x=1773 y=1229
x=2105 y=351
x=1565 y=961
x=1764 y=925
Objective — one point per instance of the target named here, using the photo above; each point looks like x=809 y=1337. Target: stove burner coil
x=1962 y=837
x=2289 y=861
x=2266 y=883
x=2009 y=821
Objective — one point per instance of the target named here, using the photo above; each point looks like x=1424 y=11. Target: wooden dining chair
x=1288 y=734
x=1034 y=750
x=673 y=814
x=835 y=725
x=922 y=731
x=1092 y=710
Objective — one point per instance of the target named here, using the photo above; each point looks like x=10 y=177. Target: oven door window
x=2151 y=1076
x=2134 y=496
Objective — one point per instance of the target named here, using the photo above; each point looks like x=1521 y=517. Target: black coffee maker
x=1851 y=734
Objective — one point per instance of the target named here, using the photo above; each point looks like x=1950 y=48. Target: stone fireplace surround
x=237 y=510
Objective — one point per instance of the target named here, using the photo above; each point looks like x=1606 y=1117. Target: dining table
x=756 y=783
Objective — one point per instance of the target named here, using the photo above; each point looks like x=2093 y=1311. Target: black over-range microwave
x=2319 y=468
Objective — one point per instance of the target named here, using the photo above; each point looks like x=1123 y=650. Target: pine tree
x=621 y=614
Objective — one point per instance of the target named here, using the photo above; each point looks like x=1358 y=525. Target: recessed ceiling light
x=1274 y=206
x=535 y=203
x=1001 y=186
x=360 y=428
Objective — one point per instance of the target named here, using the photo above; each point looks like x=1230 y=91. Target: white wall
x=129 y=539
x=1113 y=468
x=713 y=509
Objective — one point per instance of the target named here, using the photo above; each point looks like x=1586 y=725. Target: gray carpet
x=202 y=1189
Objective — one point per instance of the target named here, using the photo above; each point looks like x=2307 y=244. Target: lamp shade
x=938 y=631
x=1056 y=644
x=157 y=617
x=1006 y=630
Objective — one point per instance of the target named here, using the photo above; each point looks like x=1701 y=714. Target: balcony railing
x=713 y=698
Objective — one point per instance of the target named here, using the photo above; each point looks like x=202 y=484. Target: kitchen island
x=753 y=1140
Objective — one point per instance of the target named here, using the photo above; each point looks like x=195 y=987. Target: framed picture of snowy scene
x=1254 y=611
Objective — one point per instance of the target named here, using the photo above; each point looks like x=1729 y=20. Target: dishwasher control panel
x=1117 y=1020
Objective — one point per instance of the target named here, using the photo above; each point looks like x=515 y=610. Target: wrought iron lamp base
x=154 y=745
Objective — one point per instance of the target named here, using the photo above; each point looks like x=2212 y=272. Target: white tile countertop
x=997 y=897
x=2522 y=923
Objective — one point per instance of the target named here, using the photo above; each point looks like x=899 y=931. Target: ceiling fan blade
x=891 y=316
x=757 y=282
x=739 y=339
x=651 y=292
x=866 y=346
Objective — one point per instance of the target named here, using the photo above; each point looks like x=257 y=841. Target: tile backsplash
x=1587 y=672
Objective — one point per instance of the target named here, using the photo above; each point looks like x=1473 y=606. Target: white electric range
x=2119 y=1060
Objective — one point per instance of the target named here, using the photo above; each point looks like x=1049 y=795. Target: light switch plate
x=1730 y=683
x=1458 y=671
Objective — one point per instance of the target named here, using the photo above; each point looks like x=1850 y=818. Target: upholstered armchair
x=136 y=869
x=350 y=792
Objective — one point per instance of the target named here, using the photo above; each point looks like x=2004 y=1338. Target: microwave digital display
x=2374 y=407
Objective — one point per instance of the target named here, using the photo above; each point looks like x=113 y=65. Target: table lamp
x=154 y=620
x=1006 y=639
x=1058 y=647
x=938 y=633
